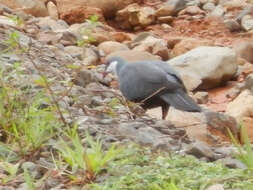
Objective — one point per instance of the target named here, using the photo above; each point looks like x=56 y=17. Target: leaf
x=41 y=82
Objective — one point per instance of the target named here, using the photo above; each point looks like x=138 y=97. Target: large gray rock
x=207 y=67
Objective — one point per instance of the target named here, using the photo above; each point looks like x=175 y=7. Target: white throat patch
x=112 y=67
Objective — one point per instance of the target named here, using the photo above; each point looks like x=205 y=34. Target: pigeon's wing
x=172 y=74
x=139 y=80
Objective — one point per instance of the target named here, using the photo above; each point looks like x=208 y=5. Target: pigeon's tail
x=180 y=100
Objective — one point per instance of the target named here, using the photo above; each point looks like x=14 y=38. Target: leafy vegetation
x=92 y=23
x=144 y=170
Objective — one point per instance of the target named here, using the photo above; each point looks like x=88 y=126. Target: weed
x=17 y=20
x=30 y=182
x=10 y=170
x=245 y=151
x=92 y=159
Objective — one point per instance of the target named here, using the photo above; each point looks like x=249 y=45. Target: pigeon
x=151 y=83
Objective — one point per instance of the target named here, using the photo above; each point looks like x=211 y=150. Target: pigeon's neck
x=119 y=66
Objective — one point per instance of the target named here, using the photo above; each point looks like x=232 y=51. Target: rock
x=216 y=187
x=232 y=163
x=135 y=15
x=165 y=19
x=108 y=7
x=34 y=7
x=249 y=82
x=80 y=14
x=207 y=127
x=211 y=65
x=232 y=25
x=192 y=10
x=188 y=44
x=84 y=77
x=6 y=21
x=110 y=46
x=218 y=11
x=244 y=50
x=90 y=56
x=154 y=46
x=200 y=149
x=120 y=36
x=247 y=22
x=171 y=8
x=33 y=169
x=46 y=23
x=132 y=55
x=242 y=109
x=246 y=11
x=48 y=37
x=201 y=97
x=209 y=7
x=74 y=51
x=52 y=10
x=147 y=135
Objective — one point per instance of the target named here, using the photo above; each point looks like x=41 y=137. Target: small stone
x=74 y=51
x=218 y=11
x=209 y=7
x=52 y=10
x=165 y=19
x=32 y=168
x=84 y=77
x=232 y=163
x=247 y=22
x=171 y=8
x=200 y=149
x=249 y=82
x=232 y=25
x=105 y=48
x=201 y=97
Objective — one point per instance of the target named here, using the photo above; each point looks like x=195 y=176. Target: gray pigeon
x=151 y=83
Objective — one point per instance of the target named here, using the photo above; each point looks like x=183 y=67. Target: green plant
x=17 y=20
x=29 y=180
x=10 y=170
x=245 y=151
x=92 y=158
x=23 y=122
x=138 y=168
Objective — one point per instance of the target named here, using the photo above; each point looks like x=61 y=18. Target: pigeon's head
x=112 y=65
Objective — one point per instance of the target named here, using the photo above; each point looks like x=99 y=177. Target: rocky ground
x=59 y=48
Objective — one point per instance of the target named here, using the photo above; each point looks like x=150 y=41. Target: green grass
x=245 y=152
x=141 y=169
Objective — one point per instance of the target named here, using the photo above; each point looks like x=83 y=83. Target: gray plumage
x=140 y=80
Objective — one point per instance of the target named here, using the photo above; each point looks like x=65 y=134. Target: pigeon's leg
x=165 y=109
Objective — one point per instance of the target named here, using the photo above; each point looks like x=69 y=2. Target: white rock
x=210 y=65
x=241 y=106
x=52 y=10
x=247 y=22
